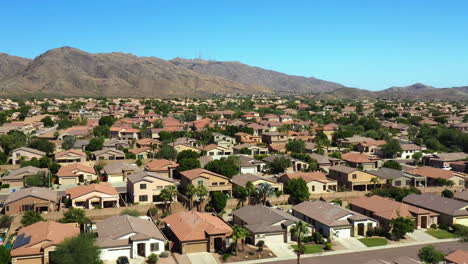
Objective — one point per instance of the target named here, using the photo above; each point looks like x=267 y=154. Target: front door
x=423 y=221
x=360 y=229
x=141 y=248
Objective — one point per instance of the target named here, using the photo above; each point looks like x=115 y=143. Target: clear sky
x=371 y=44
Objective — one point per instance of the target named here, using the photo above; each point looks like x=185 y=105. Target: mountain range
x=69 y=71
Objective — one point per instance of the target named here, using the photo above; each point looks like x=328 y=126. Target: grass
x=310 y=249
x=374 y=241
x=440 y=233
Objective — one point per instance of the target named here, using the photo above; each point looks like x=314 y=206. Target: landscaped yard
x=440 y=233
x=310 y=249
x=374 y=241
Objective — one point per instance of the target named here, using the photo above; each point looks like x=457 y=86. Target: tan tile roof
x=160 y=164
x=308 y=176
x=139 y=150
x=71 y=169
x=431 y=172
x=192 y=174
x=189 y=226
x=103 y=187
x=357 y=157
x=52 y=233
x=70 y=151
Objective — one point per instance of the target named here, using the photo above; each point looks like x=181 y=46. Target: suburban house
x=145 y=187
x=100 y=195
x=442 y=160
x=108 y=154
x=296 y=164
x=353 y=178
x=70 y=155
x=317 y=181
x=408 y=150
x=223 y=140
x=325 y=162
x=213 y=181
x=129 y=236
x=35 y=243
x=358 y=160
x=118 y=171
x=385 y=209
x=435 y=176
x=16 y=178
x=36 y=199
x=398 y=178
x=197 y=232
x=253 y=149
x=256 y=180
x=217 y=151
x=142 y=153
x=127 y=133
x=115 y=143
x=450 y=211
x=185 y=143
x=264 y=222
x=251 y=165
x=370 y=147
x=162 y=166
x=242 y=138
x=274 y=138
x=76 y=173
x=333 y=221
x=24 y=153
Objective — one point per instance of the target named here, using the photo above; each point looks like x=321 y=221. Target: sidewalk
x=338 y=252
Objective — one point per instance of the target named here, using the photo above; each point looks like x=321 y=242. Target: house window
x=143 y=186
x=397 y=183
x=215 y=183
x=27 y=207
x=200 y=183
x=354 y=176
x=324 y=187
x=140 y=156
x=461 y=182
x=222 y=183
x=7 y=208
x=313 y=188
x=154 y=247
x=143 y=198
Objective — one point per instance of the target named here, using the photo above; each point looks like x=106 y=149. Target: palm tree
x=265 y=190
x=168 y=194
x=375 y=180
x=299 y=230
x=201 y=193
x=250 y=190
x=190 y=192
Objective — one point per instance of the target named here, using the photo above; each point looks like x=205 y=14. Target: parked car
x=122 y=260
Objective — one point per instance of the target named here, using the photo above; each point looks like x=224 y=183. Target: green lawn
x=374 y=241
x=440 y=233
x=310 y=249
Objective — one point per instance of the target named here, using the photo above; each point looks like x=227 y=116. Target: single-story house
x=31 y=199
x=101 y=195
x=76 y=173
x=70 y=155
x=16 y=178
x=434 y=175
x=108 y=154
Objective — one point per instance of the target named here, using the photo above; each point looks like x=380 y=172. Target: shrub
x=328 y=246
x=152 y=259
x=5 y=186
x=307 y=239
x=370 y=232
x=433 y=226
x=226 y=256
x=318 y=238
x=251 y=253
x=260 y=243
x=338 y=201
x=444 y=227
x=131 y=212
x=164 y=254
x=153 y=211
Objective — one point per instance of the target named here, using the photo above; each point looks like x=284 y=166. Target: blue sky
x=371 y=44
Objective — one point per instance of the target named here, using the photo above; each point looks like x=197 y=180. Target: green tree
x=201 y=192
x=101 y=131
x=225 y=166
x=240 y=193
x=400 y=226
x=218 y=201
x=447 y=193
x=298 y=190
x=430 y=255
x=391 y=148
x=31 y=217
x=417 y=157
x=47 y=121
x=279 y=164
x=40 y=179
x=299 y=230
x=106 y=121
x=395 y=193
x=95 y=143
x=392 y=164
x=43 y=145
x=190 y=192
x=68 y=142
x=295 y=146
x=152 y=259
x=168 y=194
x=77 y=250
x=187 y=154
x=166 y=152
x=265 y=190
x=238 y=233
x=5 y=256
x=336 y=155
x=188 y=164
x=74 y=215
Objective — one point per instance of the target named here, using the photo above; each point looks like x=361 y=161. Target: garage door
x=114 y=253
x=272 y=238
x=340 y=233
x=193 y=248
x=461 y=221
x=29 y=261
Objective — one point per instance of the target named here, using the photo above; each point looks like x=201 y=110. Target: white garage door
x=340 y=233
x=114 y=253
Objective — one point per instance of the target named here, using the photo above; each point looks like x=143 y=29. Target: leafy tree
x=447 y=193
x=77 y=250
x=188 y=164
x=158 y=124
x=201 y=193
x=31 y=217
x=336 y=155
x=74 y=215
x=5 y=221
x=430 y=255
x=5 y=256
x=43 y=145
x=400 y=226
x=296 y=146
x=279 y=165
x=95 y=144
x=321 y=139
x=299 y=230
x=40 y=179
x=265 y=190
x=68 y=142
x=298 y=191
x=225 y=166
x=166 y=152
x=218 y=201
x=187 y=154
x=106 y=121
x=245 y=151
x=395 y=193
x=417 y=157
x=392 y=164
x=391 y=148
x=47 y=121
x=152 y=259
x=101 y=131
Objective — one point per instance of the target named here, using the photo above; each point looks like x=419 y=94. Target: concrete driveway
x=277 y=245
x=202 y=257
x=420 y=235
x=350 y=243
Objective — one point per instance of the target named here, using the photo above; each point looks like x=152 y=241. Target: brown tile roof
x=139 y=150
x=70 y=151
x=358 y=157
x=103 y=187
x=431 y=172
x=189 y=226
x=160 y=164
x=342 y=168
x=50 y=233
x=72 y=169
x=307 y=176
x=38 y=192
x=192 y=174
